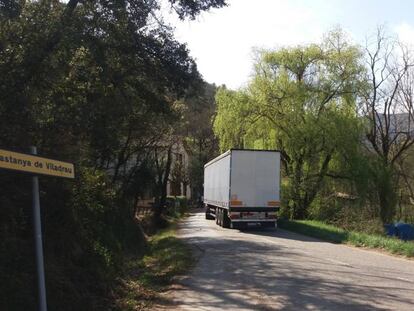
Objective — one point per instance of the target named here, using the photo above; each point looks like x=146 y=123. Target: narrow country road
x=280 y=270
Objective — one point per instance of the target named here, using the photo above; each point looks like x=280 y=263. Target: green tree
x=198 y=137
x=388 y=110
x=94 y=83
x=301 y=101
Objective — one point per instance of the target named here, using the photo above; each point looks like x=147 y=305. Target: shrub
x=176 y=205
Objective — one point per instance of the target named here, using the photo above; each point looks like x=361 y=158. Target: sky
x=223 y=41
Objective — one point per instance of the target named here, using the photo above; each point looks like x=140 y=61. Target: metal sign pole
x=38 y=240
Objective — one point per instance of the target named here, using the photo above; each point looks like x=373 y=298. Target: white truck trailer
x=242 y=188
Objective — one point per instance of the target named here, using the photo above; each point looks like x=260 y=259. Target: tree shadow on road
x=283 y=234
x=235 y=274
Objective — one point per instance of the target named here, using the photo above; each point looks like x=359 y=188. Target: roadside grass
x=147 y=277
x=334 y=234
x=168 y=257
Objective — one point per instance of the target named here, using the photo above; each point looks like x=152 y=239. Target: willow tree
x=301 y=101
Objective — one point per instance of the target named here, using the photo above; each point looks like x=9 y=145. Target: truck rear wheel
x=208 y=213
x=208 y=216
x=220 y=217
x=217 y=216
x=226 y=219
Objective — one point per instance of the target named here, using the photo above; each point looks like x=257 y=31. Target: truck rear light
x=236 y=203
x=234 y=216
x=273 y=203
x=247 y=214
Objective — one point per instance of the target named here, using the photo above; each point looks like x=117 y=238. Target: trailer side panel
x=217 y=181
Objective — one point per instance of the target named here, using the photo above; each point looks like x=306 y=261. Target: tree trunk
x=386 y=194
x=300 y=210
x=163 y=182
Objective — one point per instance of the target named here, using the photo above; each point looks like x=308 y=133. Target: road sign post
x=37 y=227
x=31 y=163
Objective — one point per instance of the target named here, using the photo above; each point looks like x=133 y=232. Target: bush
x=86 y=233
x=176 y=205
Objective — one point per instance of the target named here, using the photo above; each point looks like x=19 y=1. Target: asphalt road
x=280 y=270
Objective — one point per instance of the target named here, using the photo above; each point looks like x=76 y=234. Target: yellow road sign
x=34 y=164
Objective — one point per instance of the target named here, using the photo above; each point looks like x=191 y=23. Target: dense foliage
x=94 y=83
x=337 y=126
